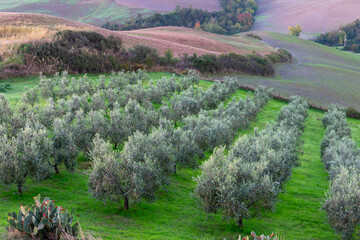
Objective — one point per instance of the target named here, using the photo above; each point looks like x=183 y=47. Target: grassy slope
x=323 y=75
x=175 y=216
x=93 y=12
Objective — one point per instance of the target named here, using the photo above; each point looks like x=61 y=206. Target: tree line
x=236 y=16
x=347 y=36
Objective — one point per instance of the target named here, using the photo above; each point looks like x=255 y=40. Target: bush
x=144 y=55
x=254 y=36
x=78 y=52
x=4 y=87
x=352 y=113
x=43 y=220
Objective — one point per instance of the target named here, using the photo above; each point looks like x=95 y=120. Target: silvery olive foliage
x=155 y=147
x=65 y=150
x=138 y=118
x=251 y=175
x=76 y=110
x=114 y=179
x=341 y=157
x=343 y=201
x=26 y=155
x=192 y=100
x=154 y=151
x=12 y=168
x=5 y=111
x=30 y=97
x=98 y=101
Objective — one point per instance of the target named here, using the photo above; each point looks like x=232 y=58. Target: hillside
x=322 y=74
x=97 y=12
x=175 y=213
x=314 y=16
x=180 y=40
x=163 y=5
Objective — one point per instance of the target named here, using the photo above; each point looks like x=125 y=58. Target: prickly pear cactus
x=44 y=220
x=261 y=237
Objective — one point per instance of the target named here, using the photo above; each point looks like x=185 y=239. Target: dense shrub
x=4 y=87
x=232 y=62
x=90 y=52
x=280 y=56
x=79 y=52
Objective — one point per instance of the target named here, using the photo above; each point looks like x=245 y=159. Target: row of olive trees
x=69 y=124
x=57 y=132
x=342 y=160
x=147 y=160
x=250 y=176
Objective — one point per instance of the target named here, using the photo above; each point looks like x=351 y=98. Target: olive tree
x=117 y=130
x=155 y=146
x=12 y=168
x=26 y=155
x=65 y=150
x=343 y=201
x=117 y=179
x=235 y=187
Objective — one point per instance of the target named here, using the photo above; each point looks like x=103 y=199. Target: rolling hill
x=314 y=16
x=180 y=40
x=97 y=12
x=322 y=74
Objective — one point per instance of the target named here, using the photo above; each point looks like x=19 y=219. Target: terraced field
x=322 y=74
x=175 y=214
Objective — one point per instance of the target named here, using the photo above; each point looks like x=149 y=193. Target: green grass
x=20 y=85
x=297 y=214
x=175 y=213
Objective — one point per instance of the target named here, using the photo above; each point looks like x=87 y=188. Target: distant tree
x=197 y=25
x=342 y=37
x=295 y=31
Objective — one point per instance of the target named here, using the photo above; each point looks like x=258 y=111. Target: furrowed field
x=174 y=209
